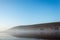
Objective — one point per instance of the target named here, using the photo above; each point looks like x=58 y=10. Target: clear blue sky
x=21 y=12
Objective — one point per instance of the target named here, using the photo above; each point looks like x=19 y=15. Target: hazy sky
x=21 y=12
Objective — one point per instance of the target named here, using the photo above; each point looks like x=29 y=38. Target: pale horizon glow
x=2 y=28
x=26 y=12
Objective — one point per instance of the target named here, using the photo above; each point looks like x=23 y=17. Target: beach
x=6 y=36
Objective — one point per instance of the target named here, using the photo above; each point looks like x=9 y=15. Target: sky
x=26 y=12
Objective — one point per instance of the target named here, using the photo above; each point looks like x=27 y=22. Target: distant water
x=6 y=36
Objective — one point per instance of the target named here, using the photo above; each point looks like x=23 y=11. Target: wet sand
x=6 y=36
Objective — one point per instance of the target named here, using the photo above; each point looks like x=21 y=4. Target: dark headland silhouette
x=44 y=30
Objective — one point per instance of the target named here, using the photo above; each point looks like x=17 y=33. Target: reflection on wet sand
x=6 y=36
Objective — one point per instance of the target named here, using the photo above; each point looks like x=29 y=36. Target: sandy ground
x=6 y=36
